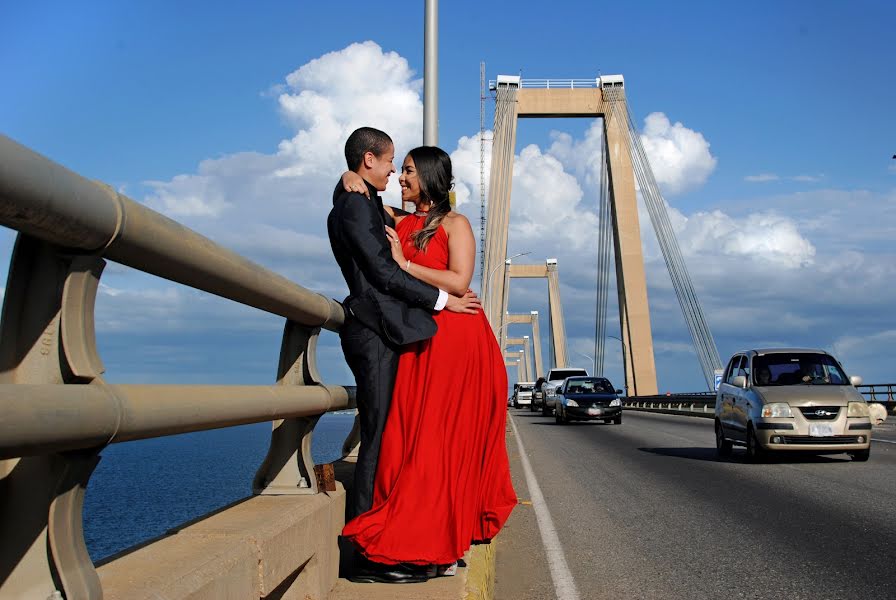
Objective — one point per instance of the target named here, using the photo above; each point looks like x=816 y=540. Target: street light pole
x=593 y=367
x=431 y=73
x=624 y=363
x=492 y=272
x=486 y=301
x=500 y=328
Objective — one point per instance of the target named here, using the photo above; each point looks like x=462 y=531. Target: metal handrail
x=56 y=411
x=881 y=393
x=59 y=418
x=553 y=83
x=701 y=402
x=52 y=203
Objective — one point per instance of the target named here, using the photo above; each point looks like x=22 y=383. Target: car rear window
x=589 y=386
x=564 y=373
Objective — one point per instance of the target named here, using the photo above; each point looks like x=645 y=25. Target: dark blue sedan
x=588 y=399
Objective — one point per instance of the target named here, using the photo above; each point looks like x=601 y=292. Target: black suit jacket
x=382 y=295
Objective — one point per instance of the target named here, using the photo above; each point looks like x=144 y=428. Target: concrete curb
x=480 y=583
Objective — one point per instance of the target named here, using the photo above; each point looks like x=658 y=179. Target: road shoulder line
x=564 y=584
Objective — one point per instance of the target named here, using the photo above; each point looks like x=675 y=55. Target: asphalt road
x=646 y=510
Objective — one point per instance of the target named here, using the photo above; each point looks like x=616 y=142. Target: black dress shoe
x=372 y=572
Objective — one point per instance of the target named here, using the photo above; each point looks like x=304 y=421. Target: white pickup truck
x=553 y=380
x=522 y=393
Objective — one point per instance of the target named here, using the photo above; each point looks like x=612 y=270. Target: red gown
x=443 y=478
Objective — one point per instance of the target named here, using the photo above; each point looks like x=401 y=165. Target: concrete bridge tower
x=603 y=97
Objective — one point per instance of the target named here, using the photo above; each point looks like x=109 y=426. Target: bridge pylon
x=530 y=318
x=602 y=98
x=547 y=271
x=526 y=357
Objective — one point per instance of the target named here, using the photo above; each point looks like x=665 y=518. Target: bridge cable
x=704 y=344
x=605 y=231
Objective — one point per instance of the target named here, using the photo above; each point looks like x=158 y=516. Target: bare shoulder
x=454 y=220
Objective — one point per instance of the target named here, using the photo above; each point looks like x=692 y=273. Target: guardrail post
x=47 y=336
x=288 y=467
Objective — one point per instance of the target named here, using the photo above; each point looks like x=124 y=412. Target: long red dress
x=443 y=478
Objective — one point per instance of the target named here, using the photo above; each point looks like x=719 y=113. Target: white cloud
x=766 y=177
x=800 y=269
x=853 y=350
x=465 y=163
x=679 y=156
x=581 y=157
x=758 y=237
x=335 y=94
x=761 y=178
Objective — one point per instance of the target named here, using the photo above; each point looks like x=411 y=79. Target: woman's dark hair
x=434 y=174
x=363 y=140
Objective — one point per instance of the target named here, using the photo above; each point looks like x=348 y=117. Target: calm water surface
x=142 y=489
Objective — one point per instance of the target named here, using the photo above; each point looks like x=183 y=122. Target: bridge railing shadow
x=56 y=411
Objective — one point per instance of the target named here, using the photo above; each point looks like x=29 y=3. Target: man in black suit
x=386 y=308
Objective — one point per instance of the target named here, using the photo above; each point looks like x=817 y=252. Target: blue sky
x=772 y=131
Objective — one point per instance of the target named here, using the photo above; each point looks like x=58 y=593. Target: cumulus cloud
x=679 y=156
x=766 y=237
x=580 y=157
x=783 y=271
x=465 y=163
x=335 y=94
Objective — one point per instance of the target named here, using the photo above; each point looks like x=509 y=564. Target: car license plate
x=594 y=411
x=821 y=431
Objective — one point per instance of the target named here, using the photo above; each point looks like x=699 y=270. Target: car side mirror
x=739 y=381
x=619 y=392
x=855 y=380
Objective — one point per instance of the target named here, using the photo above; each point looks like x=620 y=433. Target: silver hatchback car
x=790 y=399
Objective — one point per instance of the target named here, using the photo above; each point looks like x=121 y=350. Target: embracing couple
x=432 y=475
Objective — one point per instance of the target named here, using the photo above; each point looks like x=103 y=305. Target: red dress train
x=443 y=478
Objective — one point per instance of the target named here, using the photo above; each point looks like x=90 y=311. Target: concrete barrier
x=261 y=547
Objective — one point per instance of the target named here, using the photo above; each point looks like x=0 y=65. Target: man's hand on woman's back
x=469 y=303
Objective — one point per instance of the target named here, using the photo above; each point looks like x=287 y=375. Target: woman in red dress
x=443 y=478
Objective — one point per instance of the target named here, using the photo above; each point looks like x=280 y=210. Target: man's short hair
x=363 y=140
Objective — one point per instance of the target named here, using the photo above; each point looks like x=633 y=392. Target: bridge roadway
x=646 y=510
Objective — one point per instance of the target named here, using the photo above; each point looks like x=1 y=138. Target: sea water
x=140 y=490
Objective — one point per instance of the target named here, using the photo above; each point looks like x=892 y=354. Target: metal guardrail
x=700 y=404
x=703 y=403
x=882 y=393
x=56 y=411
x=552 y=83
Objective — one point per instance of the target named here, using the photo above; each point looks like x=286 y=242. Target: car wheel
x=617 y=420
x=532 y=406
x=861 y=455
x=560 y=418
x=755 y=452
x=544 y=409
x=723 y=446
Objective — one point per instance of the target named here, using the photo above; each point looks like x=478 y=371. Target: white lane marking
x=882 y=441
x=564 y=584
